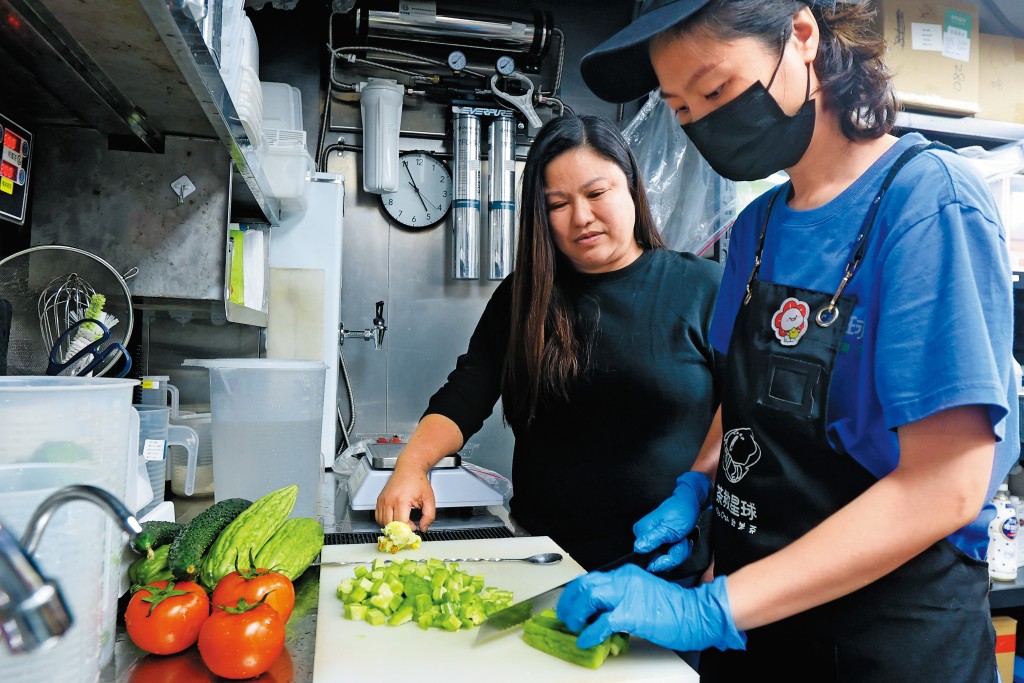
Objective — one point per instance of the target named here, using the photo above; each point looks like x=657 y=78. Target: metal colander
x=30 y=279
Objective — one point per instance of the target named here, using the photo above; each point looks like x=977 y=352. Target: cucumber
x=155 y=533
x=146 y=570
x=244 y=537
x=293 y=547
x=186 y=551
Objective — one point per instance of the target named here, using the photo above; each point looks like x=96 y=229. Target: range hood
x=134 y=70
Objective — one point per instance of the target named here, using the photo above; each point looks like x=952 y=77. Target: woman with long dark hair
x=597 y=346
x=868 y=404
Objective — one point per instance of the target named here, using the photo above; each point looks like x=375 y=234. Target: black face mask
x=751 y=137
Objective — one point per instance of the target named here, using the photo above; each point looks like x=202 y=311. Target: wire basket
x=29 y=280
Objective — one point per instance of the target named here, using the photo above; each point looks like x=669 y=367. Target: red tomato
x=165 y=617
x=395 y=439
x=382 y=439
x=253 y=584
x=241 y=642
x=184 y=667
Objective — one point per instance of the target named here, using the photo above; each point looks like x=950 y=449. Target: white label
x=12 y=157
x=956 y=44
x=154 y=449
x=417 y=10
x=926 y=37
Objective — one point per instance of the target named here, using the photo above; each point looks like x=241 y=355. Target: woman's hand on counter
x=435 y=437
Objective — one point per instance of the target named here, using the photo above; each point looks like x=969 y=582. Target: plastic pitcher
x=155 y=433
x=59 y=431
x=267 y=417
x=204 y=482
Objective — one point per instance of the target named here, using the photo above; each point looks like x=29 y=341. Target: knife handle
x=695 y=564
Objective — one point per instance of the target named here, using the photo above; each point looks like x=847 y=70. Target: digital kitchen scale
x=454 y=485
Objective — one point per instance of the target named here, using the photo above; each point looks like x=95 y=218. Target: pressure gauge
x=457 y=60
x=505 y=65
x=424 y=194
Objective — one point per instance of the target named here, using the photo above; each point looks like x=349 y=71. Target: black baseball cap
x=619 y=69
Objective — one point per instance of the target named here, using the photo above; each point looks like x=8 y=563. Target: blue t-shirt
x=933 y=324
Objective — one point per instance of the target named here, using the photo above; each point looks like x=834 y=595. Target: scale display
x=15 y=160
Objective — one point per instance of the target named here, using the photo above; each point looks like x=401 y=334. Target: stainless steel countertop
x=132 y=665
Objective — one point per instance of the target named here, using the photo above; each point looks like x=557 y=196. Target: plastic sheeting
x=692 y=205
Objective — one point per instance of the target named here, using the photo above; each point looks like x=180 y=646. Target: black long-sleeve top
x=587 y=468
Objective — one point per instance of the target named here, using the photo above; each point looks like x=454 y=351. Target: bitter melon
x=244 y=537
x=292 y=547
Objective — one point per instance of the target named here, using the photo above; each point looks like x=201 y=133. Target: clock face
x=424 y=194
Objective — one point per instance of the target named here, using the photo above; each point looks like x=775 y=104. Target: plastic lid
x=261 y=363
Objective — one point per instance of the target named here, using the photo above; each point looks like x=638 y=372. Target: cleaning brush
x=88 y=332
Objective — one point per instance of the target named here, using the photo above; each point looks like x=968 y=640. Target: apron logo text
x=790 y=321
x=737 y=513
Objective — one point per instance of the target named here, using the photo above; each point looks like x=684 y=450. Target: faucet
x=376 y=333
x=33 y=613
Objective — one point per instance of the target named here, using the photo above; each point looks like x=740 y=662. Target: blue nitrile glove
x=632 y=600
x=672 y=521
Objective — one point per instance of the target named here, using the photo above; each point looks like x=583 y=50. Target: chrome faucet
x=33 y=613
x=376 y=333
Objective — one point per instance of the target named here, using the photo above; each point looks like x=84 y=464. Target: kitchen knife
x=503 y=621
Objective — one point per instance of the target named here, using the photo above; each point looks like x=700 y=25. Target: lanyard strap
x=830 y=313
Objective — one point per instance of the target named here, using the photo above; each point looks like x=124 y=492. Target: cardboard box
x=1001 y=96
x=1006 y=645
x=933 y=53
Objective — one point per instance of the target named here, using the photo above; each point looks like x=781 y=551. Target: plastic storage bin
x=282 y=106
x=267 y=417
x=286 y=164
x=59 y=431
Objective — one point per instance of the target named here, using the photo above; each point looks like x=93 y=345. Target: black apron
x=778 y=477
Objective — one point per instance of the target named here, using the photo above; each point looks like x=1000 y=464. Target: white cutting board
x=355 y=651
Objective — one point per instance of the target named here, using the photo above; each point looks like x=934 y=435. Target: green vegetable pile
x=546 y=633
x=230 y=534
x=433 y=593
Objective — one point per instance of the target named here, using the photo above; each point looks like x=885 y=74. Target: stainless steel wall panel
x=120 y=206
x=430 y=318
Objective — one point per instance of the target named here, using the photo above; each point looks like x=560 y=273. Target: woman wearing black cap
x=866 y=314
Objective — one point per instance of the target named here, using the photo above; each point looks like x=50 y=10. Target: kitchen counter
x=132 y=665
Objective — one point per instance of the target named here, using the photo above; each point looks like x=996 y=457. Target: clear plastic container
x=155 y=435
x=59 y=431
x=282 y=106
x=203 y=485
x=287 y=166
x=267 y=417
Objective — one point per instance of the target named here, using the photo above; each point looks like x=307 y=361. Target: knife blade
x=503 y=621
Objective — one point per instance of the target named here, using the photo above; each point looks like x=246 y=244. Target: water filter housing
x=381 y=107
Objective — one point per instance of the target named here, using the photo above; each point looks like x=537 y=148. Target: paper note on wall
x=956 y=36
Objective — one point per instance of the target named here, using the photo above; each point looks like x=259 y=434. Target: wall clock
x=424 y=194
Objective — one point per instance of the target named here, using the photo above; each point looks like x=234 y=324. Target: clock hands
x=412 y=181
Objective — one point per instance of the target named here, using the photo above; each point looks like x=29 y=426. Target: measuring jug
x=204 y=481
x=155 y=433
x=59 y=431
x=267 y=416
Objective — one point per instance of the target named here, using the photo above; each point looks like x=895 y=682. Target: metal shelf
x=980 y=130
x=183 y=38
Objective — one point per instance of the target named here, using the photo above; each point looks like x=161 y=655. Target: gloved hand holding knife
x=632 y=600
